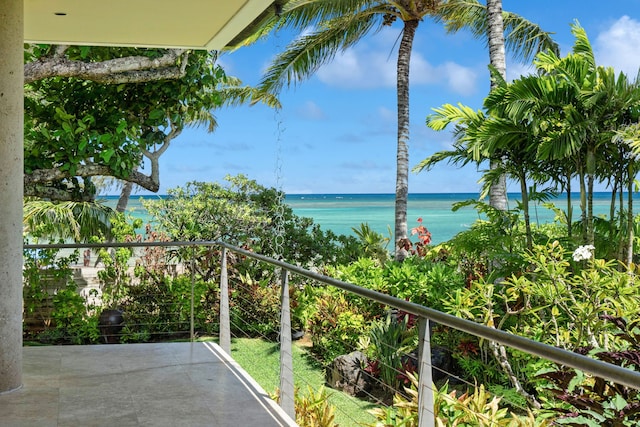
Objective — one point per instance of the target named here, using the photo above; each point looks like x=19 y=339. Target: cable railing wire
x=601 y=369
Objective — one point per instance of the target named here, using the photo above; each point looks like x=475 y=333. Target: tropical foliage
x=336 y=26
x=76 y=128
x=574 y=121
x=552 y=129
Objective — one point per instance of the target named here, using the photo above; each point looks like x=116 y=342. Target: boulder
x=345 y=373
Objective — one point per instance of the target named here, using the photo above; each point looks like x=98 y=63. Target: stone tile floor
x=167 y=384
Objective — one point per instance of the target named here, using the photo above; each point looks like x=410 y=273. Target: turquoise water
x=341 y=212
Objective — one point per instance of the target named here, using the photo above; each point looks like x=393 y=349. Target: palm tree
x=523 y=38
x=595 y=104
x=338 y=25
x=568 y=116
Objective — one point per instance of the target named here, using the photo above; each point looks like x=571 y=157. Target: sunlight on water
x=341 y=212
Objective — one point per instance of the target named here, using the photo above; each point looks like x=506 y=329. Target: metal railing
x=598 y=368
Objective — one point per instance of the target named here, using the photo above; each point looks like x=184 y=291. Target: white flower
x=583 y=253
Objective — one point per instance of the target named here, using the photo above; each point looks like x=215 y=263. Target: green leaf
x=619 y=402
x=121 y=126
x=107 y=154
x=84 y=51
x=67 y=127
x=156 y=114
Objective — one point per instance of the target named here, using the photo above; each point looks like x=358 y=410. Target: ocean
x=341 y=212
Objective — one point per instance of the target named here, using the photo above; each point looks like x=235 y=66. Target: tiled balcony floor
x=168 y=384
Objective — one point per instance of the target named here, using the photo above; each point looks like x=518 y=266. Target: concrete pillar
x=11 y=191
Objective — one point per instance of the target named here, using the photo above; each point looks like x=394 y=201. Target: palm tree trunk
x=590 y=182
x=525 y=211
x=495 y=38
x=569 y=208
x=630 y=223
x=402 y=165
x=125 y=195
x=583 y=204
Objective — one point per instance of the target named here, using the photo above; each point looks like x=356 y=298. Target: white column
x=11 y=191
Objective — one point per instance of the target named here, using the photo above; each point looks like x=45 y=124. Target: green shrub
x=475 y=409
x=75 y=322
x=415 y=279
x=313 y=408
x=583 y=400
x=390 y=341
x=335 y=325
x=46 y=273
x=255 y=307
x=162 y=308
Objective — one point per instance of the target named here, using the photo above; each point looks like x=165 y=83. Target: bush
x=584 y=400
x=335 y=324
x=478 y=408
x=75 y=322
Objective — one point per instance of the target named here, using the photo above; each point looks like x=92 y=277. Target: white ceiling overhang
x=191 y=24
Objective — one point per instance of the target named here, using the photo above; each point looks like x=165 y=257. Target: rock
x=345 y=373
x=442 y=363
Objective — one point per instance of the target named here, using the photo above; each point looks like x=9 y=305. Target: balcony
x=196 y=383
x=159 y=384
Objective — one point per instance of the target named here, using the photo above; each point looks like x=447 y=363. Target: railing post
x=426 y=416
x=287 y=391
x=193 y=285
x=225 y=324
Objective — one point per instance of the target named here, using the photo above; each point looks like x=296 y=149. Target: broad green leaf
x=107 y=154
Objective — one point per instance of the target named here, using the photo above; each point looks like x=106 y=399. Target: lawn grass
x=261 y=360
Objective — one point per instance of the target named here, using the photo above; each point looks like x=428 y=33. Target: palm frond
x=77 y=221
x=458 y=157
x=464 y=14
x=449 y=113
x=523 y=38
x=309 y=52
x=306 y=14
x=240 y=95
x=582 y=46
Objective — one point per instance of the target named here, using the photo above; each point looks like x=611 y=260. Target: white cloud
x=311 y=111
x=461 y=80
x=368 y=66
x=358 y=69
x=518 y=69
x=386 y=115
x=619 y=46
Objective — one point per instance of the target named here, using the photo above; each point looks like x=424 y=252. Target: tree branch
x=500 y=353
x=130 y=69
x=155 y=155
x=35 y=183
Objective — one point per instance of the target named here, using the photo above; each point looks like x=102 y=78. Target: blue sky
x=336 y=132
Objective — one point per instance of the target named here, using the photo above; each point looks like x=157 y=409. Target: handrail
x=599 y=368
